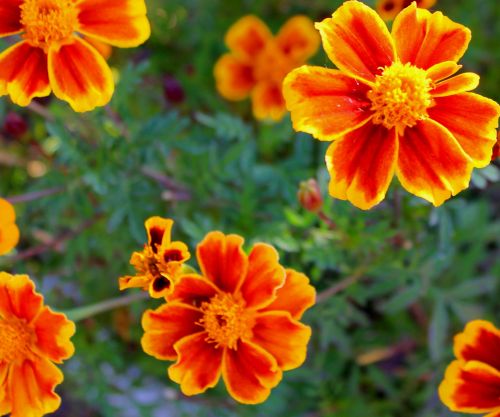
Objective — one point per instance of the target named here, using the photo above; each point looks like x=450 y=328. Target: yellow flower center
x=226 y=320
x=400 y=96
x=48 y=22
x=16 y=338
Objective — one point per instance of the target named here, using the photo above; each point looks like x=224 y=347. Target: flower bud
x=14 y=125
x=309 y=195
x=172 y=89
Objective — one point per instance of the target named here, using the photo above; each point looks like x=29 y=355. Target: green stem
x=81 y=313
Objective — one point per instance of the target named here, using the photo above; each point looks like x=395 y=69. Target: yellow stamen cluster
x=15 y=339
x=226 y=320
x=400 y=96
x=48 y=22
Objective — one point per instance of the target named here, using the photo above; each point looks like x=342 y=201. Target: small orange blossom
x=9 y=232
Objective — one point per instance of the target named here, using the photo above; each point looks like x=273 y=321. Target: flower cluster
x=238 y=318
x=258 y=62
x=9 y=232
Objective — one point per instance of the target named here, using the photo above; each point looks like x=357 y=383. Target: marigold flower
x=9 y=232
x=239 y=319
x=34 y=338
x=258 y=62
x=159 y=263
x=392 y=108
x=52 y=57
x=472 y=382
x=388 y=9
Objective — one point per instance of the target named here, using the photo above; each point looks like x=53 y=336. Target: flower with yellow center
x=394 y=106
x=32 y=339
x=9 y=232
x=239 y=319
x=53 y=55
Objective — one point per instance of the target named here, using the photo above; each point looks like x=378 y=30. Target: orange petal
x=284 y=338
x=23 y=73
x=361 y=165
x=165 y=326
x=53 y=332
x=494 y=414
x=103 y=48
x=18 y=297
x=9 y=238
x=193 y=290
x=222 y=260
x=7 y=212
x=159 y=231
x=265 y=276
x=174 y=253
x=121 y=23
x=268 y=102
x=298 y=38
x=249 y=373
x=80 y=75
x=5 y=403
x=425 y=39
x=295 y=296
x=461 y=83
x=138 y=281
x=388 y=9
x=247 y=37
x=233 y=77
x=10 y=23
x=470 y=387
x=324 y=102
x=357 y=40
x=431 y=163
x=480 y=341
x=32 y=388
x=198 y=366
x=472 y=120
x=442 y=70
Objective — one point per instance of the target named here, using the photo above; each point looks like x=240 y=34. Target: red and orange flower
x=388 y=9
x=9 y=232
x=33 y=338
x=394 y=108
x=258 y=62
x=52 y=57
x=472 y=382
x=159 y=263
x=239 y=319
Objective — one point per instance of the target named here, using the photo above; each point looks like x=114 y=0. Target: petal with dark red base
x=357 y=40
x=192 y=290
x=23 y=73
x=472 y=120
x=324 y=102
x=268 y=102
x=79 y=75
x=249 y=373
x=18 y=297
x=298 y=39
x=159 y=231
x=361 y=165
x=233 y=77
x=198 y=366
x=248 y=37
x=431 y=163
x=10 y=22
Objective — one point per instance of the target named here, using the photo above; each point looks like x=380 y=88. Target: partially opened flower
x=9 y=232
x=388 y=9
x=33 y=339
x=258 y=62
x=53 y=57
x=159 y=263
x=239 y=319
x=472 y=382
x=394 y=108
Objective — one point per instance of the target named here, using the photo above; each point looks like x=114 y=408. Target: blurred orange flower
x=239 y=319
x=158 y=264
x=33 y=339
x=258 y=62
x=9 y=232
x=393 y=109
x=51 y=57
x=472 y=382
x=388 y=9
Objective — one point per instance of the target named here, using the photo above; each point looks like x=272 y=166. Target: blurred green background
x=400 y=280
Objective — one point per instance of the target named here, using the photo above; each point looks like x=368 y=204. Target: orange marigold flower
x=393 y=109
x=9 y=232
x=159 y=263
x=388 y=9
x=239 y=319
x=34 y=338
x=258 y=62
x=472 y=382
x=52 y=57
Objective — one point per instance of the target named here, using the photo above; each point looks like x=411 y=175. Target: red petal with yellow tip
x=234 y=78
x=247 y=37
x=268 y=102
x=298 y=38
x=460 y=84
